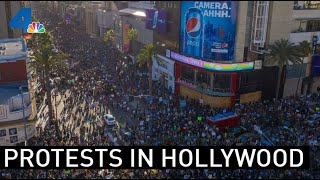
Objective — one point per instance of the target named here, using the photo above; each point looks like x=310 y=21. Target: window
x=313 y=25
x=203 y=79
x=221 y=81
x=187 y=73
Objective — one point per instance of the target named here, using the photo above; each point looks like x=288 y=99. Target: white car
x=109 y=119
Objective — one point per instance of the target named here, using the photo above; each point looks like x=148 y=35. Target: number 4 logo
x=22 y=19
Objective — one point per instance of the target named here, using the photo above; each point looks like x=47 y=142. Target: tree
x=109 y=36
x=145 y=56
x=33 y=18
x=132 y=35
x=305 y=49
x=282 y=52
x=47 y=62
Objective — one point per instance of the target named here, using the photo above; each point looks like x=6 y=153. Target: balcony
x=303 y=6
x=306 y=11
x=201 y=89
x=299 y=36
x=11 y=108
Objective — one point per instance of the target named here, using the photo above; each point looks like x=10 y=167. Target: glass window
x=221 y=81
x=187 y=73
x=203 y=79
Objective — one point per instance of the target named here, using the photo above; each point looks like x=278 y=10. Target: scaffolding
x=259 y=26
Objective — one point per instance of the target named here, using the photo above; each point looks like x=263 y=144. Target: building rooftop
x=133 y=11
x=9 y=90
x=12 y=49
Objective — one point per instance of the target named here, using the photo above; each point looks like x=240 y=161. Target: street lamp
x=55 y=97
x=24 y=117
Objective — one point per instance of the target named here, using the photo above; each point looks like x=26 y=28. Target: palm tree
x=145 y=56
x=109 y=36
x=46 y=61
x=132 y=35
x=305 y=49
x=282 y=52
x=33 y=18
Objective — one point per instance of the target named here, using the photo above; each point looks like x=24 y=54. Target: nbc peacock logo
x=36 y=27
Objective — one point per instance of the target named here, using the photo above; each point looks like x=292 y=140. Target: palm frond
x=283 y=52
x=132 y=34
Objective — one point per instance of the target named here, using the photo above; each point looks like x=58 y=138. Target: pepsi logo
x=223 y=45
x=193 y=27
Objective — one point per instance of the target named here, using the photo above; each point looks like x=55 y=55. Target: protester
x=101 y=79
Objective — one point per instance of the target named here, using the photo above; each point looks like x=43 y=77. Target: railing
x=209 y=91
x=307 y=7
x=6 y=115
x=301 y=31
x=3 y=112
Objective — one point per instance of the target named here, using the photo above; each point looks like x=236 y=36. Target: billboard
x=156 y=20
x=315 y=67
x=208 y=28
x=126 y=40
x=223 y=67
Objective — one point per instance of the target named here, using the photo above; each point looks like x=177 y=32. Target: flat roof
x=13 y=49
x=133 y=11
x=9 y=90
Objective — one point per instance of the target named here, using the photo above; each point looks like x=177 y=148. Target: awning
x=132 y=11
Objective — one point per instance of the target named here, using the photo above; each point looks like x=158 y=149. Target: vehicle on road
x=109 y=119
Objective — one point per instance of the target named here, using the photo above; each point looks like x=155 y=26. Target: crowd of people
x=100 y=79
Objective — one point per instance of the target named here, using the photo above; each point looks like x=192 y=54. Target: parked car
x=109 y=119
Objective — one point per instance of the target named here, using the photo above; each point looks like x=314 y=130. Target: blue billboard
x=156 y=20
x=208 y=29
x=315 y=67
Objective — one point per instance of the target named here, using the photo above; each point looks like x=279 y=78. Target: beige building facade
x=8 y=9
x=91 y=18
x=261 y=23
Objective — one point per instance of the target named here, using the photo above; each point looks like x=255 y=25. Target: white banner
x=12 y=135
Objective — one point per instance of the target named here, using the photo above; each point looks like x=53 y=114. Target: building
x=305 y=25
x=163 y=66
x=8 y=9
x=229 y=65
x=91 y=17
x=13 y=94
x=108 y=17
x=135 y=17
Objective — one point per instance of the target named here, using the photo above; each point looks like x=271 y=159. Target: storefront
x=163 y=71
x=212 y=83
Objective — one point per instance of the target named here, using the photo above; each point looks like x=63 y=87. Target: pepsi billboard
x=156 y=20
x=208 y=29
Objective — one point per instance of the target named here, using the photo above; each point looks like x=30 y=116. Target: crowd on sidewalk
x=101 y=78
